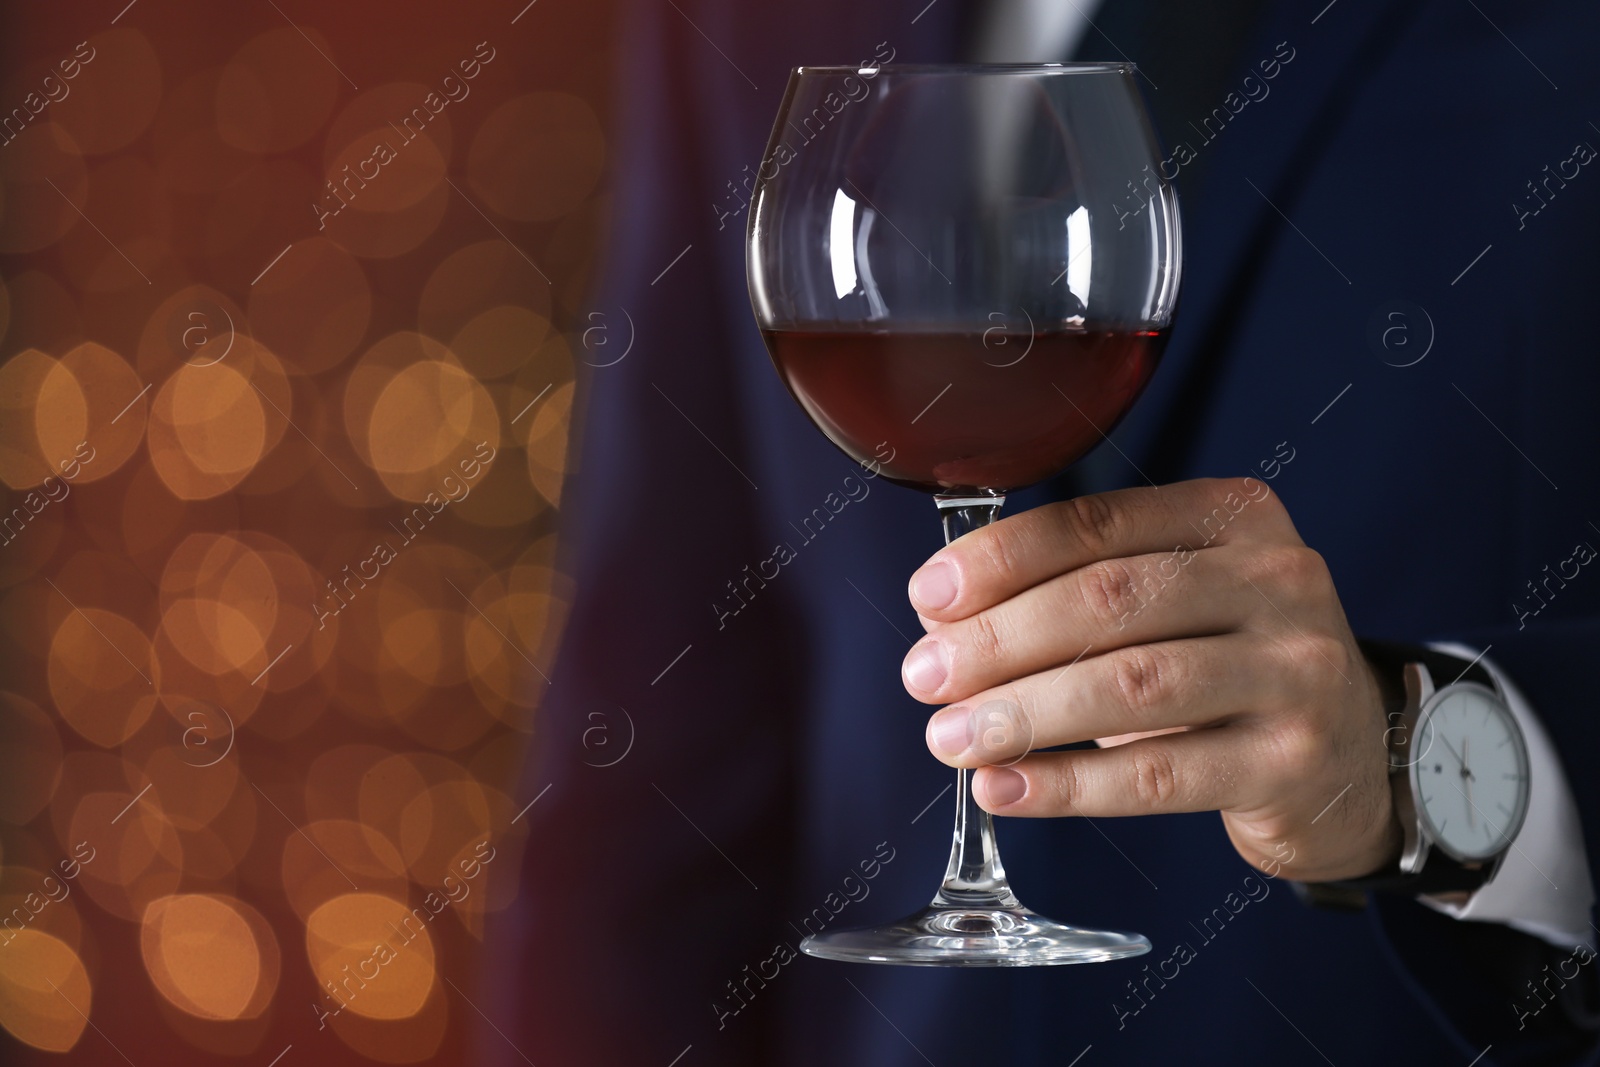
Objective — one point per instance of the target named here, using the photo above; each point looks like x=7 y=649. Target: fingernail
x=1003 y=786
x=927 y=666
x=934 y=586
x=952 y=731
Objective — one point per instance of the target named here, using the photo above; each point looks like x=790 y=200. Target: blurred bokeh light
x=288 y=302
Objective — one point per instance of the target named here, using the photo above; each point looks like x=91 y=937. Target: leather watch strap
x=1391 y=658
x=1439 y=874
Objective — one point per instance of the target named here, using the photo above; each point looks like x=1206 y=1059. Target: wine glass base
x=942 y=936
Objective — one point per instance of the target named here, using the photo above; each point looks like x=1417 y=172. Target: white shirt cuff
x=1543 y=887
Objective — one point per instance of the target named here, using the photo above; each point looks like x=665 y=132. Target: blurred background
x=292 y=301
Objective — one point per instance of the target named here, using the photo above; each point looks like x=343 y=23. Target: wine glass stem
x=975 y=877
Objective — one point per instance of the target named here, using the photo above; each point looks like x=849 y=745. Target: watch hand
x=1465 y=774
x=1452 y=750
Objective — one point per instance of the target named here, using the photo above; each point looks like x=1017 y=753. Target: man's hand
x=1190 y=631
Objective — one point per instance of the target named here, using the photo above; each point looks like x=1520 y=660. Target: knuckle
x=1321 y=660
x=1317 y=578
x=1300 y=749
x=1336 y=654
x=1273 y=564
x=1141 y=679
x=1003 y=727
x=1153 y=776
x=1093 y=521
x=1267 y=503
x=1067 y=786
x=981 y=643
x=1109 y=591
x=998 y=555
x=1306 y=567
x=1293 y=568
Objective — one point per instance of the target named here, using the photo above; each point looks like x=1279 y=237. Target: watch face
x=1470 y=779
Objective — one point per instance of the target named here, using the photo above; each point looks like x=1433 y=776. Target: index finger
x=995 y=563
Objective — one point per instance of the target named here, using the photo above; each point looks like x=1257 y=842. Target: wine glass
x=965 y=275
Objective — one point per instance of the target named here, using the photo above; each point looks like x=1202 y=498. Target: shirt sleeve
x=1543 y=886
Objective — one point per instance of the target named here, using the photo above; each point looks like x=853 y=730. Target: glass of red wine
x=965 y=276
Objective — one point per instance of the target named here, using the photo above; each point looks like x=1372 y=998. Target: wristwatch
x=1458 y=768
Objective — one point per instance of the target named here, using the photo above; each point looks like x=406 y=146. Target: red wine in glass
x=962 y=412
x=946 y=271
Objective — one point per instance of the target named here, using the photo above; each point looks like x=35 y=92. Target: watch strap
x=1439 y=874
x=1391 y=657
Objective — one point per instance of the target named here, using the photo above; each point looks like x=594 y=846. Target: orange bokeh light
x=104 y=677
x=418 y=418
x=45 y=994
x=373 y=954
x=115 y=411
x=208 y=428
x=203 y=955
x=43 y=418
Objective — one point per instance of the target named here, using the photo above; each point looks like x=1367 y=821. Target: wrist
x=1454 y=729
x=1386 y=837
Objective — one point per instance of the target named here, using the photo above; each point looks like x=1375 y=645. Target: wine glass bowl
x=975 y=264
x=965 y=276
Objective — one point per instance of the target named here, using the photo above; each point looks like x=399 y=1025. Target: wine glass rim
x=968 y=68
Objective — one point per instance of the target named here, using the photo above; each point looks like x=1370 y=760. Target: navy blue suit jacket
x=775 y=758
